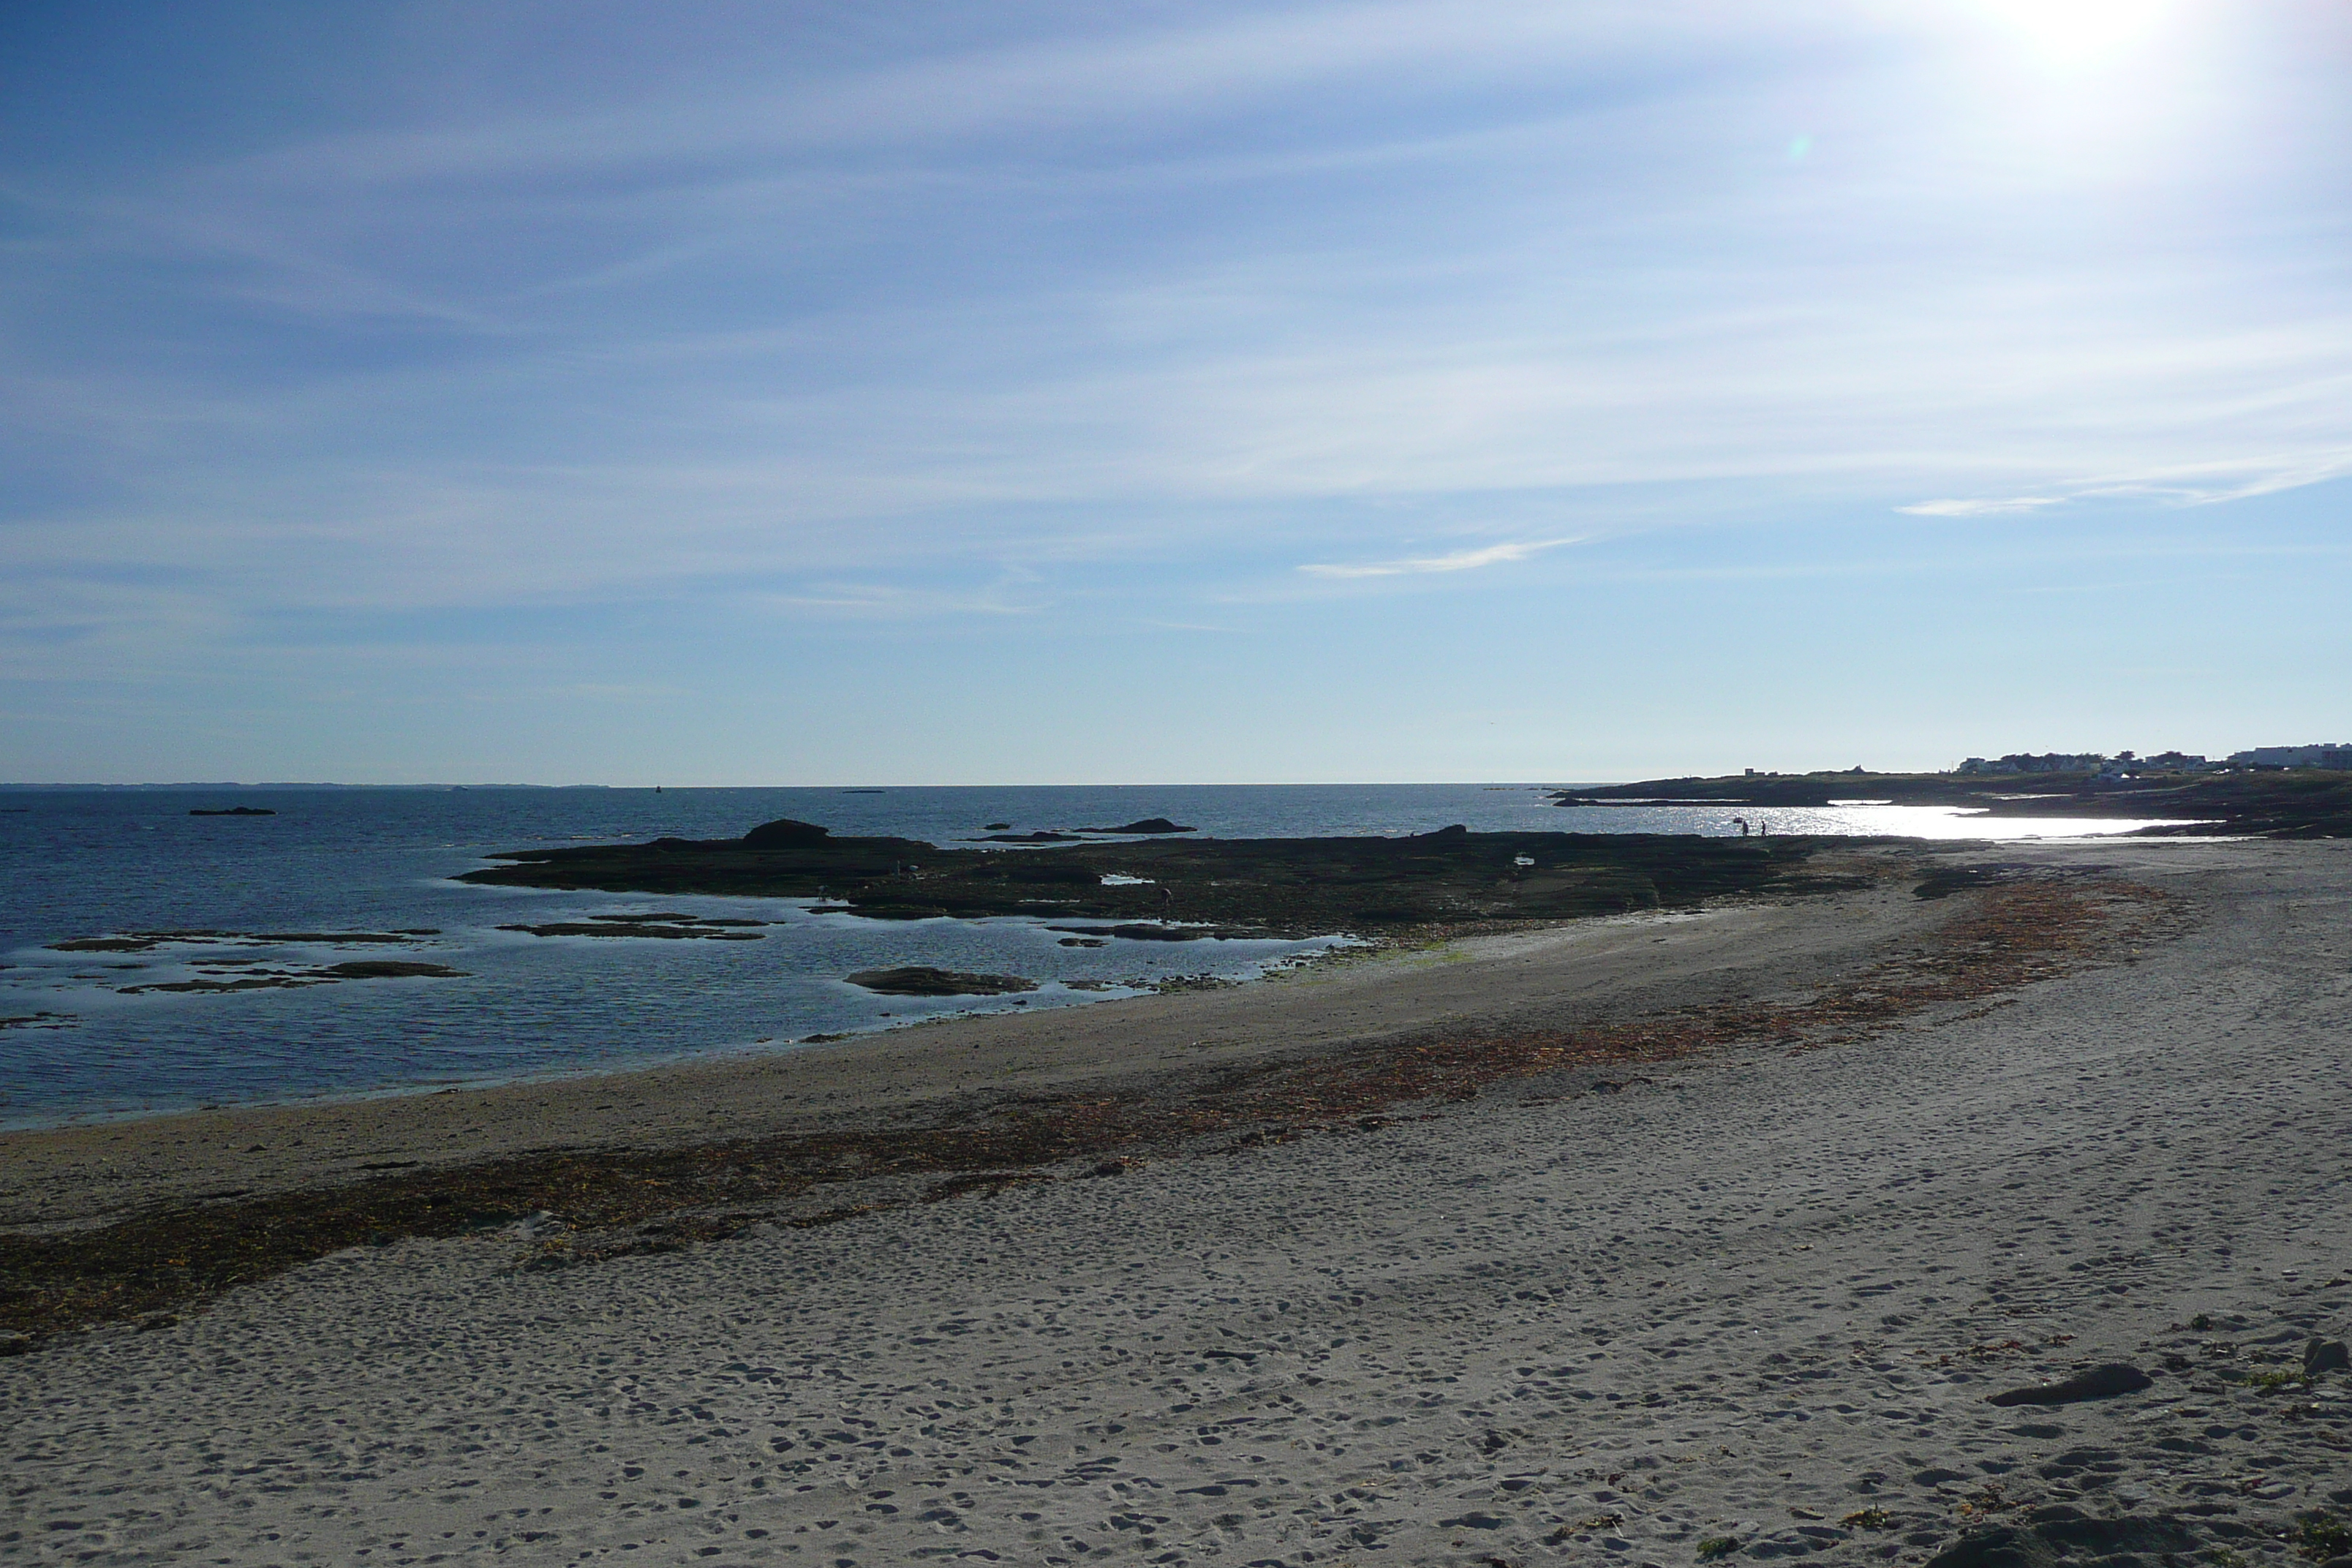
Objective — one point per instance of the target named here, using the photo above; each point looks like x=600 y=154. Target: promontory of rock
x=2302 y=803
x=1271 y=886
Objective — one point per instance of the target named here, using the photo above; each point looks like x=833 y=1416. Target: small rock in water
x=922 y=980
x=388 y=969
x=2099 y=1382
x=664 y=925
x=1141 y=930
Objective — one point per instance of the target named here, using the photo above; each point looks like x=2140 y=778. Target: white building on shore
x=2323 y=756
x=2126 y=763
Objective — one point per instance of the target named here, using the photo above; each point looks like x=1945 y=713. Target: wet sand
x=1755 y=1294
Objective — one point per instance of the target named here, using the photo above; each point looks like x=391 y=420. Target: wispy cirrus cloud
x=1458 y=561
x=826 y=344
x=2192 y=485
x=1981 y=506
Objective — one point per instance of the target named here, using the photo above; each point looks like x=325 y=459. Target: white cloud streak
x=1981 y=507
x=1458 y=561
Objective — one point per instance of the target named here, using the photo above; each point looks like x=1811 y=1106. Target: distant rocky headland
x=2277 y=803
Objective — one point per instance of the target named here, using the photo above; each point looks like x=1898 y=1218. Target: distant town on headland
x=2122 y=763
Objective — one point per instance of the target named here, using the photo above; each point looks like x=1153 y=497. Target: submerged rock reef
x=218 y=972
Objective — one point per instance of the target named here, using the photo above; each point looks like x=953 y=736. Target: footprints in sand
x=1721 y=1318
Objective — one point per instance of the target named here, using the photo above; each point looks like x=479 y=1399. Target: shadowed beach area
x=1658 y=1238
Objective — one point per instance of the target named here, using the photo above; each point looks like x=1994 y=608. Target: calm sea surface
x=88 y=863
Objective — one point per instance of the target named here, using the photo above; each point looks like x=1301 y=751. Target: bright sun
x=2075 y=32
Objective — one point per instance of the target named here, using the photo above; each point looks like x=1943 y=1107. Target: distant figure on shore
x=1743 y=825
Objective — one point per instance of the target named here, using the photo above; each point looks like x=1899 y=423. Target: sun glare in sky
x=440 y=390
x=2076 y=32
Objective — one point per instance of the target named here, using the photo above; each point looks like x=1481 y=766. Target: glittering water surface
x=80 y=864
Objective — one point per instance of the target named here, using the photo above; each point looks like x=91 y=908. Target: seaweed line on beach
x=577 y=1206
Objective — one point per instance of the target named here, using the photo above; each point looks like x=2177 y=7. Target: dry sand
x=1739 y=1301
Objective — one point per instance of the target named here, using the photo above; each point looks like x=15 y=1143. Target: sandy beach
x=1745 y=1301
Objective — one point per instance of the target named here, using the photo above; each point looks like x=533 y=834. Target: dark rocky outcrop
x=1263 y=887
x=296 y=979
x=233 y=811
x=663 y=924
x=149 y=941
x=332 y=938
x=786 y=834
x=921 y=980
x=1137 y=930
x=1148 y=825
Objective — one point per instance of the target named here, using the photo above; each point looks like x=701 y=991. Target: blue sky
x=947 y=393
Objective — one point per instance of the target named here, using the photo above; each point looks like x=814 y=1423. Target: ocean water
x=80 y=1044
